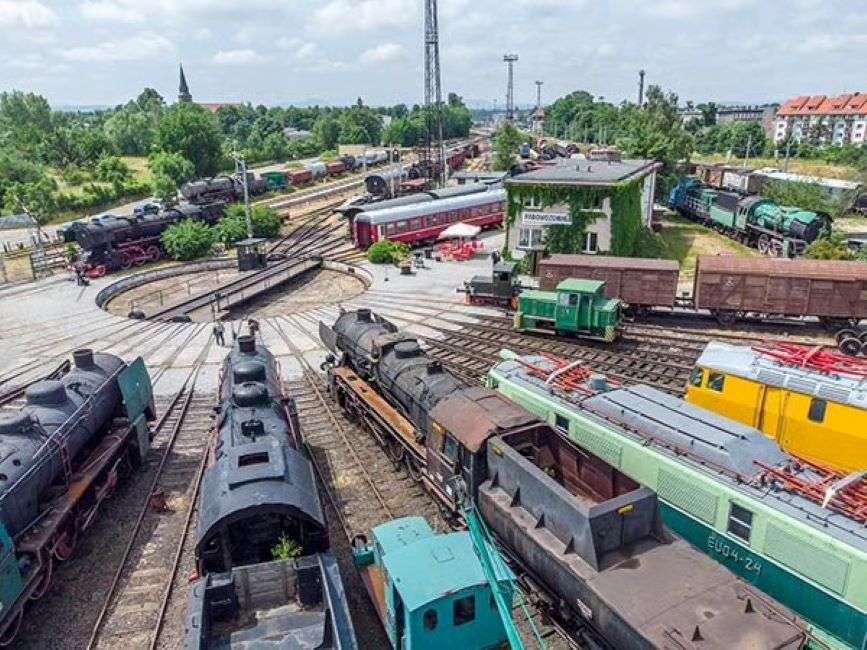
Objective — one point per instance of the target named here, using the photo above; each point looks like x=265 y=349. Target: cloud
x=102 y=10
x=384 y=53
x=341 y=16
x=138 y=48
x=28 y=14
x=686 y=9
x=238 y=57
x=817 y=43
x=307 y=51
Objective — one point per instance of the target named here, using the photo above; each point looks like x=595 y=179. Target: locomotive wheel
x=65 y=546
x=863 y=336
x=847 y=334
x=11 y=631
x=412 y=469
x=764 y=244
x=851 y=346
x=154 y=253
x=125 y=261
x=44 y=580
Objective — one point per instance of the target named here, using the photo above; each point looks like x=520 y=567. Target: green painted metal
x=577 y=306
x=696 y=505
x=11 y=583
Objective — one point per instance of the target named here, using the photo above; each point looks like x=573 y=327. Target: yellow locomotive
x=812 y=403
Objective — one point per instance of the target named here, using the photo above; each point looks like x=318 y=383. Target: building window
x=464 y=610
x=529 y=237
x=430 y=620
x=532 y=202
x=740 y=522
x=817 y=410
x=696 y=377
x=716 y=381
x=591 y=242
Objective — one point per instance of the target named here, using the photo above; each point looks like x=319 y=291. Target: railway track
x=135 y=606
x=367 y=483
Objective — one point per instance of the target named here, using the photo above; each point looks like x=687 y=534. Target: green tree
x=25 y=122
x=188 y=240
x=832 y=247
x=172 y=165
x=507 y=143
x=164 y=188
x=386 y=251
x=808 y=196
x=36 y=198
x=326 y=130
x=68 y=147
x=112 y=169
x=191 y=131
x=15 y=168
x=132 y=131
x=266 y=223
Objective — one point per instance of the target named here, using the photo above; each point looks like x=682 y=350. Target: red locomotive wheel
x=65 y=546
x=125 y=260
x=154 y=253
x=44 y=580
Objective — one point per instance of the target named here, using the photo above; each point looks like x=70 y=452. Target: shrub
x=230 y=229
x=286 y=549
x=188 y=240
x=387 y=252
x=266 y=223
x=832 y=247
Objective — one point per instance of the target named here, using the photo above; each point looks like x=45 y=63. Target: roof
x=399 y=213
x=535 y=294
x=409 y=199
x=474 y=414
x=481 y=175
x=581 y=286
x=505 y=267
x=779 y=267
x=846 y=104
x=425 y=566
x=457 y=190
x=572 y=171
x=609 y=262
x=835 y=183
x=745 y=362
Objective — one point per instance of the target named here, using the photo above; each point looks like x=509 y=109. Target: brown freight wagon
x=729 y=286
x=637 y=281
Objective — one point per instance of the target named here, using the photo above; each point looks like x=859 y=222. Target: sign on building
x=546 y=219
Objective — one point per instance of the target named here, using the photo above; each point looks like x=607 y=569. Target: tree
x=36 y=198
x=132 y=131
x=506 y=146
x=171 y=165
x=233 y=227
x=112 y=169
x=15 y=168
x=808 y=196
x=25 y=121
x=326 y=130
x=191 y=131
x=188 y=240
x=68 y=147
x=832 y=247
x=165 y=188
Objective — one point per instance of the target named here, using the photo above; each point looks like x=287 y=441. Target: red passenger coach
x=421 y=223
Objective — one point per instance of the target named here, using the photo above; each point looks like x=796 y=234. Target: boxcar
x=636 y=281
x=300 y=176
x=833 y=291
x=336 y=167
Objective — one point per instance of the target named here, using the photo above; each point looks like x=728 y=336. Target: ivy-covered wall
x=625 y=213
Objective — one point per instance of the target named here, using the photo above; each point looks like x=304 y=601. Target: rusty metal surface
x=780 y=286
x=634 y=280
x=472 y=415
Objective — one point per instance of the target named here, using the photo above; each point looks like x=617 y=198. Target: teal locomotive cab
x=11 y=583
x=577 y=307
x=429 y=589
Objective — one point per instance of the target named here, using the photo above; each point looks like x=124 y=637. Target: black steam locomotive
x=262 y=547
x=228 y=188
x=580 y=529
x=112 y=242
x=60 y=456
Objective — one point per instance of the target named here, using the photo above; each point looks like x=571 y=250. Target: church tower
x=184 y=96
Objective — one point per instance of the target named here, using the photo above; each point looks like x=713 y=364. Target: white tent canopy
x=460 y=230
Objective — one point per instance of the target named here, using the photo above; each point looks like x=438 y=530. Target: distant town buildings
x=764 y=114
x=820 y=119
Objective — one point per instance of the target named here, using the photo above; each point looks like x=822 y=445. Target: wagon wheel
x=851 y=346
x=412 y=468
x=65 y=546
x=726 y=316
x=764 y=244
x=863 y=336
x=11 y=630
x=125 y=260
x=154 y=253
x=44 y=580
x=847 y=334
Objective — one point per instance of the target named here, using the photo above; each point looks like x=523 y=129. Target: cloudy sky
x=280 y=51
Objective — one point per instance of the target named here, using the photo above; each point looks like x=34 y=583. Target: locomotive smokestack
x=247 y=344
x=83 y=358
x=364 y=315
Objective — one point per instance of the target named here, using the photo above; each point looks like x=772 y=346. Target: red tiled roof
x=213 y=107
x=846 y=104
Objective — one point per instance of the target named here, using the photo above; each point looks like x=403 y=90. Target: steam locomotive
x=60 y=457
x=262 y=548
x=589 y=536
x=752 y=220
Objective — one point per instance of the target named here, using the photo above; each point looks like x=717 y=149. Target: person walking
x=219 y=333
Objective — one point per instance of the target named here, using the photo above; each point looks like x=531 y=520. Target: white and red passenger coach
x=421 y=223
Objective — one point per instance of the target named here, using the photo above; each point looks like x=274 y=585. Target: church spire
x=184 y=96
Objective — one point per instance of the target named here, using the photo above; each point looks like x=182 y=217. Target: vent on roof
x=801 y=385
x=833 y=393
x=770 y=377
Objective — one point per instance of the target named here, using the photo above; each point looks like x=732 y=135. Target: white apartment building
x=823 y=120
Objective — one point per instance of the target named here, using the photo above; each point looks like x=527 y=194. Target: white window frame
x=532 y=202
x=588 y=237
x=535 y=235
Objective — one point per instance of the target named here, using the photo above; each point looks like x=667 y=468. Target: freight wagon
x=636 y=281
x=731 y=287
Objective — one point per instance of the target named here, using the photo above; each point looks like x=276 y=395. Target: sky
x=104 y=52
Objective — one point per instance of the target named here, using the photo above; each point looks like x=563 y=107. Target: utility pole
x=510 y=87
x=433 y=95
x=539 y=94
x=747 y=154
x=640 y=88
x=241 y=166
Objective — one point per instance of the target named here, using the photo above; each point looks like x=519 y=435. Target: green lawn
x=684 y=241
x=796 y=165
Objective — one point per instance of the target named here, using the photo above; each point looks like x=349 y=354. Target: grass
x=684 y=241
x=851 y=224
x=806 y=166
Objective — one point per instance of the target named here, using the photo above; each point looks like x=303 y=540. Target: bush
x=832 y=247
x=387 y=252
x=188 y=240
x=266 y=223
x=230 y=229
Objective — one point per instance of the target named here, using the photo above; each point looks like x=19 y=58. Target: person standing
x=219 y=333
x=495 y=257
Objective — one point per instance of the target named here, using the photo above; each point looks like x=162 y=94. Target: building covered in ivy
x=588 y=205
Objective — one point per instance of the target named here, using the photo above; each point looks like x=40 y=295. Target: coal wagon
x=636 y=281
x=730 y=287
